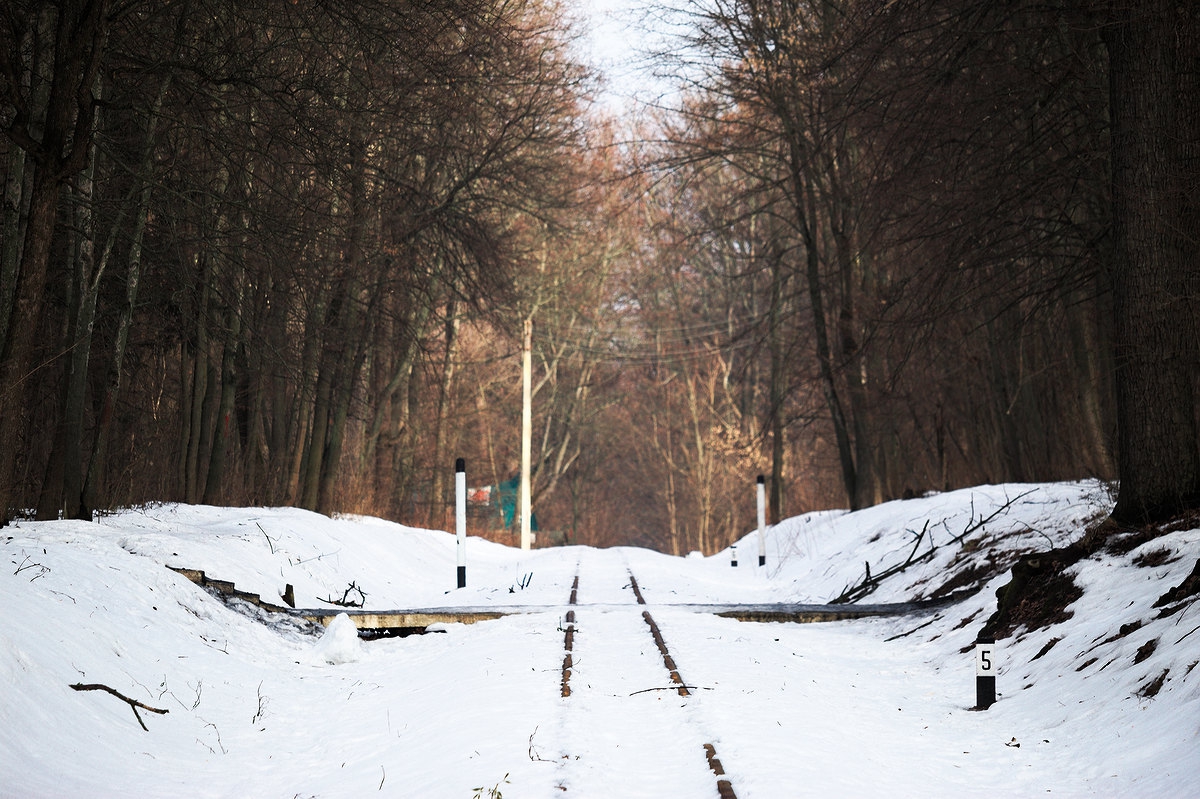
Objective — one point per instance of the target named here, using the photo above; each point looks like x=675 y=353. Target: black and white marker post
x=985 y=673
x=762 y=521
x=460 y=518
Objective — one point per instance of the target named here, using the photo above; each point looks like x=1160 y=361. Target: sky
x=618 y=39
x=260 y=704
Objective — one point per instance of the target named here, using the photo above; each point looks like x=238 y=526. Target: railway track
x=630 y=724
x=601 y=669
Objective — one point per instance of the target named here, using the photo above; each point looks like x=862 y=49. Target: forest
x=283 y=253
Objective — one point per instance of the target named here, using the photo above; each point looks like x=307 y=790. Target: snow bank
x=1104 y=704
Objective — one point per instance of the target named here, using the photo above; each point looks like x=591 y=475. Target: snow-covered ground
x=857 y=708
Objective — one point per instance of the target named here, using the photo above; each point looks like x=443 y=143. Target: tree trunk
x=392 y=408
x=61 y=487
x=305 y=398
x=196 y=397
x=224 y=389
x=310 y=480
x=1154 y=74
x=820 y=330
x=437 y=507
x=17 y=359
x=336 y=438
x=223 y=431
x=12 y=234
x=59 y=150
x=778 y=388
x=83 y=493
x=1088 y=351
x=348 y=370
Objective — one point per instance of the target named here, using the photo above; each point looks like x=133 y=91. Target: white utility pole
x=526 y=431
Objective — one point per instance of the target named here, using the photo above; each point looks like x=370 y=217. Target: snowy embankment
x=1106 y=703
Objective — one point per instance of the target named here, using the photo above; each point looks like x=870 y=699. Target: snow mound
x=339 y=644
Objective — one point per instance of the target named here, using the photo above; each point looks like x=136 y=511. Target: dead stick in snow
x=671 y=688
x=133 y=703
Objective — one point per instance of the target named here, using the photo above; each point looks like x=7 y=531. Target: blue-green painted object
x=508 y=503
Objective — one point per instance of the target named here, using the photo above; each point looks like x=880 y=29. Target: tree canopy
x=265 y=253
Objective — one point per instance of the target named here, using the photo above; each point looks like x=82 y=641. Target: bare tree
x=50 y=59
x=1154 y=65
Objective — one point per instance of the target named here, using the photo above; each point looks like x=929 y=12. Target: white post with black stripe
x=526 y=434
x=985 y=673
x=460 y=518
x=762 y=521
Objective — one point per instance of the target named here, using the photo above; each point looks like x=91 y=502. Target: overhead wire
x=681 y=343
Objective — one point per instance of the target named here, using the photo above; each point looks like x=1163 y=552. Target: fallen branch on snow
x=982 y=520
x=672 y=688
x=346 y=601
x=133 y=703
x=870 y=582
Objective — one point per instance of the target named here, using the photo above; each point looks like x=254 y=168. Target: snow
x=262 y=705
x=339 y=643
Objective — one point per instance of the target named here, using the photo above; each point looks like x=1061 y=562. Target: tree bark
x=437 y=504
x=58 y=153
x=777 y=390
x=196 y=391
x=61 y=487
x=816 y=296
x=1154 y=84
x=223 y=432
